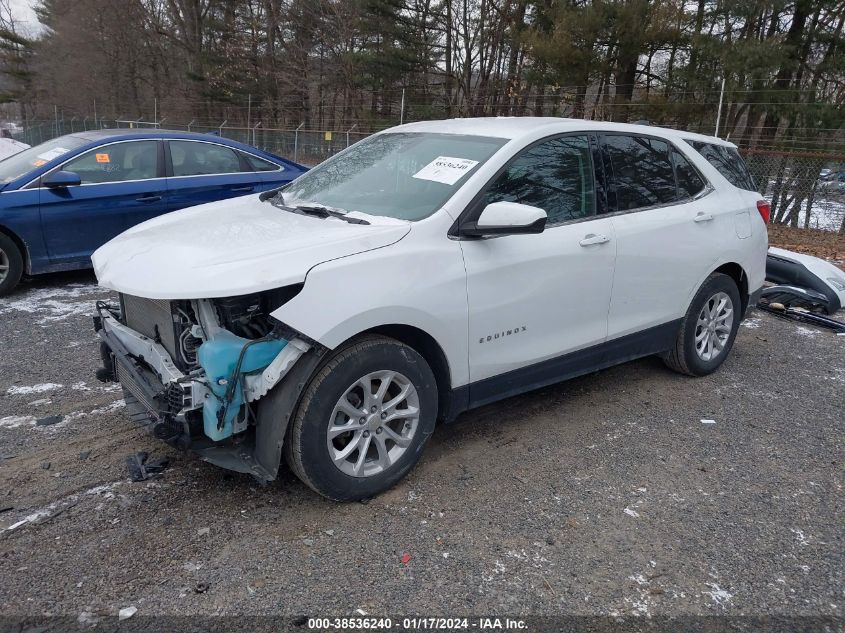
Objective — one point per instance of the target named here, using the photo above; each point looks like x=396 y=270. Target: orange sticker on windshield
x=103 y=158
x=39 y=162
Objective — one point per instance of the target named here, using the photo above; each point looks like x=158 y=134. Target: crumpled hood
x=232 y=247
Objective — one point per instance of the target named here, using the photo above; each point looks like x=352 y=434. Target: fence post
x=85 y=124
x=72 y=119
x=190 y=124
x=257 y=125
x=347 y=133
x=719 y=112
x=296 y=141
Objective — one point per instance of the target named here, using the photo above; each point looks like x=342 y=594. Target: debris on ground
x=126 y=612
x=406 y=558
x=203 y=531
x=142 y=468
x=201 y=587
x=708 y=421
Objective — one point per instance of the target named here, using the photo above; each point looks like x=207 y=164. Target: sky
x=24 y=15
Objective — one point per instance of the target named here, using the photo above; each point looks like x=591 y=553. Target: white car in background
x=428 y=269
x=10 y=147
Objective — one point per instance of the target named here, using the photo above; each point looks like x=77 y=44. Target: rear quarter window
x=728 y=162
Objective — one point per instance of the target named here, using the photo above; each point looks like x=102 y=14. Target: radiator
x=152 y=318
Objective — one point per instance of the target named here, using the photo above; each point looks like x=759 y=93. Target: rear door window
x=259 y=164
x=728 y=162
x=690 y=182
x=642 y=171
x=193 y=158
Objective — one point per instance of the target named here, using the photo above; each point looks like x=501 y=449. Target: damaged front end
x=195 y=371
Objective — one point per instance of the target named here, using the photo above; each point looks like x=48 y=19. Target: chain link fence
x=806 y=189
x=308 y=147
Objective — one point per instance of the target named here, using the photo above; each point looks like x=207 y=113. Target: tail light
x=765 y=210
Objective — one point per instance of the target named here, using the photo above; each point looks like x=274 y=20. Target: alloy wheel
x=373 y=423
x=713 y=327
x=4 y=265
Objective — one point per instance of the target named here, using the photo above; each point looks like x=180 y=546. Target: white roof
x=516 y=127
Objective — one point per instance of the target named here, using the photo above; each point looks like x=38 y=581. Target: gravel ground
x=604 y=495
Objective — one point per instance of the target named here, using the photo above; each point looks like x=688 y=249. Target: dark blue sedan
x=61 y=200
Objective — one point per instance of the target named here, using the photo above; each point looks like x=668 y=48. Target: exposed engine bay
x=197 y=367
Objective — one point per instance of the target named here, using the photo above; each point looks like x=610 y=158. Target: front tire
x=363 y=420
x=11 y=265
x=708 y=329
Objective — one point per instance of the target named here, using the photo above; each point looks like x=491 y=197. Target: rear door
x=122 y=184
x=669 y=227
x=203 y=171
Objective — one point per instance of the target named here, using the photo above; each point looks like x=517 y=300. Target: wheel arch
x=737 y=273
x=427 y=347
x=27 y=262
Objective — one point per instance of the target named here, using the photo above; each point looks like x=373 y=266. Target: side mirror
x=506 y=218
x=61 y=179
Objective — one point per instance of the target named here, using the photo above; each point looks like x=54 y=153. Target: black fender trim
x=275 y=411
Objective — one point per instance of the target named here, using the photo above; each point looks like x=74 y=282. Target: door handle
x=591 y=238
x=244 y=188
x=148 y=199
x=702 y=217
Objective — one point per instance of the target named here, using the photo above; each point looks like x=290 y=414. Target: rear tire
x=11 y=265
x=708 y=329
x=347 y=445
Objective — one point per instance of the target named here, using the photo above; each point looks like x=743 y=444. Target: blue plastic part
x=218 y=358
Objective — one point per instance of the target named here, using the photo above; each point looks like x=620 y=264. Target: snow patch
x=53 y=304
x=14 y=421
x=799 y=536
x=19 y=391
x=718 y=595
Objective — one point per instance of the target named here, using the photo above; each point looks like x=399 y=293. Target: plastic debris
x=203 y=531
x=126 y=612
x=406 y=558
x=141 y=468
x=708 y=421
x=50 y=420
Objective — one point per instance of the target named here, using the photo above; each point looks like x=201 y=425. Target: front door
x=533 y=298
x=119 y=183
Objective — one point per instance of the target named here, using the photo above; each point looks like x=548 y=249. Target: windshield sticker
x=53 y=153
x=446 y=169
x=103 y=158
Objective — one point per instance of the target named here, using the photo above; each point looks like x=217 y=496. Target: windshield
x=19 y=164
x=401 y=175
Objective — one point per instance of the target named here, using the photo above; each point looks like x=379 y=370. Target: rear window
x=728 y=162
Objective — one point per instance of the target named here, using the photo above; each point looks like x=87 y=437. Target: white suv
x=428 y=269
